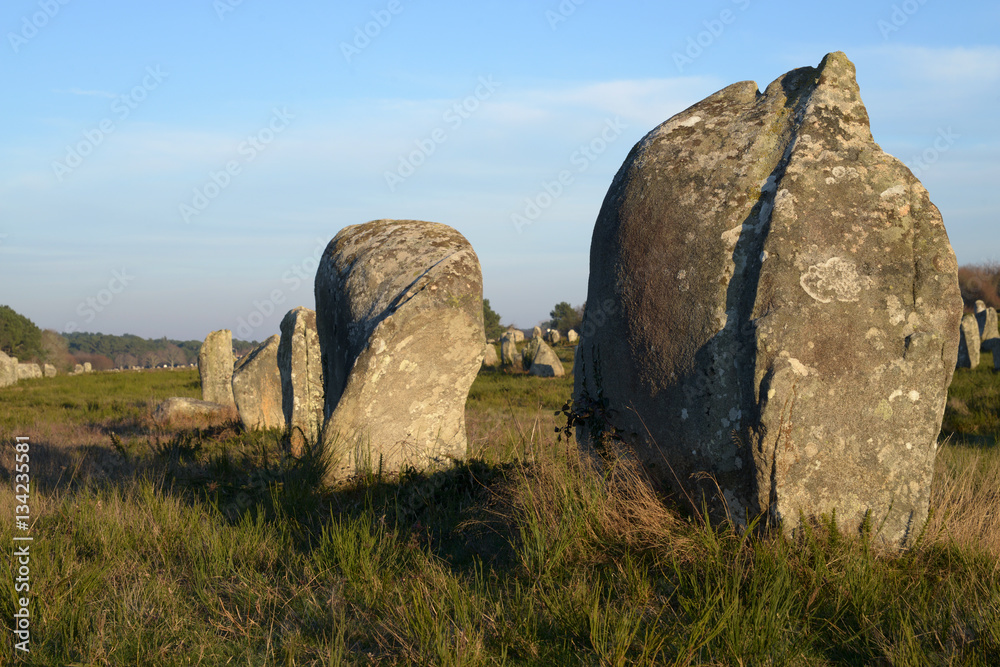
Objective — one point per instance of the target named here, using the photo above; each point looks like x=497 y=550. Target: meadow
x=210 y=546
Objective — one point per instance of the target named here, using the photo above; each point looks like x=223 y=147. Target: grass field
x=156 y=546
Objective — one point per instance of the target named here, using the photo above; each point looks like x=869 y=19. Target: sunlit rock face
x=773 y=309
x=257 y=387
x=399 y=313
x=301 y=369
x=215 y=367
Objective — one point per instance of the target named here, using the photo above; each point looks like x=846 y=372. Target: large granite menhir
x=215 y=367
x=399 y=313
x=773 y=301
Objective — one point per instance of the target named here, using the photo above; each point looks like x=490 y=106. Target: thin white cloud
x=952 y=66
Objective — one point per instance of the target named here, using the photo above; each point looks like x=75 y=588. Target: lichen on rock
x=400 y=322
x=777 y=278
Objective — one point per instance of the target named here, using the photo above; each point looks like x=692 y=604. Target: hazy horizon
x=169 y=171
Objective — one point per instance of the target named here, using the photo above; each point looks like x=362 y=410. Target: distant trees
x=98 y=362
x=55 y=351
x=130 y=350
x=980 y=282
x=565 y=317
x=491 y=321
x=19 y=337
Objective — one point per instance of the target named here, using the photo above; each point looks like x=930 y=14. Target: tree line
x=21 y=338
x=980 y=282
x=563 y=317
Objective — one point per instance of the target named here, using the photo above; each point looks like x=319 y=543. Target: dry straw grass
x=965 y=501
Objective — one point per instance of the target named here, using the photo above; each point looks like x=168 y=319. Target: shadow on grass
x=232 y=473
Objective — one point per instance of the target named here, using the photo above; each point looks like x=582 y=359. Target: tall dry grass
x=965 y=500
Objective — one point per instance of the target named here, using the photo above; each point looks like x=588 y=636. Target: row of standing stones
x=772 y=321
x=11 y=370
x=979 y=334
x=536 y=357
x=276 y=385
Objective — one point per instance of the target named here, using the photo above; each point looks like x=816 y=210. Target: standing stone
x=554 y=336
x=215 y=366
x=8 y=370
x=301 y=367
x=987 y=321
x=516 y=333
x=87 y=368
x=509 y=356
x=989 y=339
x=491 y=359
x=773 y=301
x=546 y=363
x=77 y=369
x=529 y=352
x=980 y=306
x=387 y=293
x=184 y=410
x=50 y=371
x=969 y=343
x=536 y=332
x=572 y=336
x=257 y=387
x=26 y=371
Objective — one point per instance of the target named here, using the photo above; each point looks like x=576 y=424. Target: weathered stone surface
x=987 y=321
x=400 y=319
x=529 y=351
x=257 y=387
x=775 y=299
x=215 y=366
x=50 y=371
x=545 y=362
x=491 y=359
x=969 y=343
x=8 y=370
x=509 y=356
x=77 y=369
x=183 y=410
x=553 y=336
x=301 y=366
x=516 y=333
x=536 y=332
x=28 y=371
x=87 y=368
x=980 y=306
x=572 y=336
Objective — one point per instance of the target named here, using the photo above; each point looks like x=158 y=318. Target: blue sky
x=173 y=168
